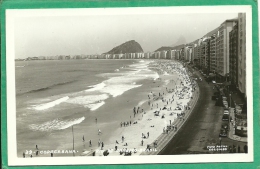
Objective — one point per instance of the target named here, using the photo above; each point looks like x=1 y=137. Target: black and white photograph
x=129 y=85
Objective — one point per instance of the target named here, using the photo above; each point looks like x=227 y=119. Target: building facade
x=242 y=53
x=212 y=54
x=222 y=47
x=233 y=56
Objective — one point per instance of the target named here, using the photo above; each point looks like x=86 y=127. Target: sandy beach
x=150 y=117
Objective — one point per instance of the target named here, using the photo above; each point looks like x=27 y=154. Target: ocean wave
x=50 y=104
x=55 y=124
x=95 y=106
x=96 y=87
x=117 y=90
x=45 y=88
x=89 y=99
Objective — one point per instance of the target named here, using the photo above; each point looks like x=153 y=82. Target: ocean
x=54 y=96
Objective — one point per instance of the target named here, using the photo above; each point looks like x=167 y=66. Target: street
x=202 y=128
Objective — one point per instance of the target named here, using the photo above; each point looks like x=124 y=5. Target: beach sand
x=174 y=90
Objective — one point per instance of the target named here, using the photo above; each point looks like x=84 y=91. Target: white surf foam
x=56 y=124
x=95 y=106
x=117 y=90
x=85 y=100
x=96 y=87
x=50 y=104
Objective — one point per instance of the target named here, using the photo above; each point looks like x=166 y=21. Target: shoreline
x=149 y=124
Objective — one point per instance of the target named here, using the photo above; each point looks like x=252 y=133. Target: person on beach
x=36 y=146
x=117 y=142
x=23 y=155
x=99 y=131
x=83 y=139
x=99 y=142
x=102 y=145
x=90 y=143
x=147 y=134
x=123 y=138
x=142 y=142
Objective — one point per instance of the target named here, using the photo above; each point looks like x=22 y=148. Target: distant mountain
x=180 y=41
x=170 y=48
x=127 y=47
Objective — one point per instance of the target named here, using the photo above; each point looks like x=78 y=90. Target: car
x=223 y=133
x=214 y=82
x=226 y=112
x=225 y=117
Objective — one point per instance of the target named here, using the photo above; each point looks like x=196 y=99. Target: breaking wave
x=95 y=106
x=56 y=124
x=50 y=104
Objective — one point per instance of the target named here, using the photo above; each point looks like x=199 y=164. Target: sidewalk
x=165 y=138
x=231 y=131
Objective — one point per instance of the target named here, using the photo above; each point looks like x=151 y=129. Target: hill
x=127 y=47
x=170 y=48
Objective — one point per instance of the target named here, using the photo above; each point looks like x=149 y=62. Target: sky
x=97 y=34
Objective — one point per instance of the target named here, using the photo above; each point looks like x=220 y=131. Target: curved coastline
x=154 y=127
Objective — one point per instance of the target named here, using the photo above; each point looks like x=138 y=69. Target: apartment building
x=233 y=56
x=222 y=47
x=242 y=53
x=212 y=54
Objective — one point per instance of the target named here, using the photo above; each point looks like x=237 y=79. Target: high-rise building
x=173 y=54
x=222 y=47
x=194 y=53
x=213 y=60
x=163 y=54
x=242 y=53
x=233 y=56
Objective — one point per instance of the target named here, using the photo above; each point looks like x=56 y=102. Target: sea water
x=54 y=96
